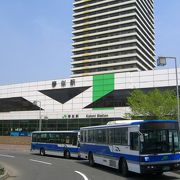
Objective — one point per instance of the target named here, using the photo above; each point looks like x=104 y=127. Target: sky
x=36 y=38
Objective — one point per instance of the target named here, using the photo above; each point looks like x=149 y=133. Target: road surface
x=23 y=165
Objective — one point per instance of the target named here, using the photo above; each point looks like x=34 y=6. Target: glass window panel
x=111 y=136
x=134 y=141
x=90 y=136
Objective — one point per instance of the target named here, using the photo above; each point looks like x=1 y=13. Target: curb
x=4 y=176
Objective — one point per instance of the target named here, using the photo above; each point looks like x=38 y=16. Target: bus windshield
x=160 y=141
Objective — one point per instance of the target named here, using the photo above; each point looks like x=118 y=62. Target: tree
x=154 y=104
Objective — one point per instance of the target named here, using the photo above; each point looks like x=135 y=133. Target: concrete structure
x=112 y=36
x=72 y=103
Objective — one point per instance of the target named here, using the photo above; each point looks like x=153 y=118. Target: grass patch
x=1 y=170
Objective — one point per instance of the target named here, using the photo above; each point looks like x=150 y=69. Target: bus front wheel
x=124 y=168
x=42 y=152
x=91 y=159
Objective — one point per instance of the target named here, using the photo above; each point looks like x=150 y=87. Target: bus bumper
x=155 y=168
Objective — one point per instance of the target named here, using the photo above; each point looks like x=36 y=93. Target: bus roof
x=74 y=131
x=128 y=122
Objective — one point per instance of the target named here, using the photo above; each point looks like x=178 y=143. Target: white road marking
x=174 y=174
x=43 y=162
x=5 y=155
x=85 y=178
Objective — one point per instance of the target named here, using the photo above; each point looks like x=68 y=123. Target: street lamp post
x=162 y=62
x=40 y=118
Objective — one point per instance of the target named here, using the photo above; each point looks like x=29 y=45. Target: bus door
x=134 y=148
x=134 y=140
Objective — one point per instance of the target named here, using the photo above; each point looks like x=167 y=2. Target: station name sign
x=96 y=115
x=76 y=116
x=63 y=83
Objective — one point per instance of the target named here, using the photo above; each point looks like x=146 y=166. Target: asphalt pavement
x=21 y=164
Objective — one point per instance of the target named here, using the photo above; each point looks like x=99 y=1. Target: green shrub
x=1 y=170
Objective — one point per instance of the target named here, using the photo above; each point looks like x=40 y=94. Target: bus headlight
x=146 y=159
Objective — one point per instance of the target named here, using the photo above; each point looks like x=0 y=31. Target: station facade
x=113 y=54
x=67 y=104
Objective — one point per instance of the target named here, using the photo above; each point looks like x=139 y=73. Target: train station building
x=67 y=104
x=113 y=54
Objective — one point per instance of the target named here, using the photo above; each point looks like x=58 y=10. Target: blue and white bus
x=151 y=146
x=62 y=143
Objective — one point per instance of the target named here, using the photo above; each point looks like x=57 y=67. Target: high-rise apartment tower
x=112 y=36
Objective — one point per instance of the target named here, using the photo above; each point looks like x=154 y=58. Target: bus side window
x=81 y=136
x=134 y=142
x=34 y=137
x=44 y=137
x=67 y=140
x=73 y=139
x=110 y=136
x=57 y=138
x=90 y=136
x=63 y=138
x=38 y=138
